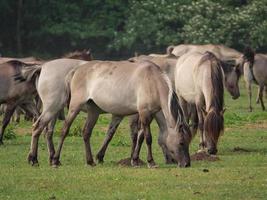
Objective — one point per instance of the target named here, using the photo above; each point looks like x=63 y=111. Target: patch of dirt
x=257 y=125
x=127 y=162
x=204 y=156
x=239 y=149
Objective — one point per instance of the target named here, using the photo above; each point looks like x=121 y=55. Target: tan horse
x=168 y=65
x=256 y=73
x=221 y=51
x=50 y=79
x=123 y=88
x=199 y=81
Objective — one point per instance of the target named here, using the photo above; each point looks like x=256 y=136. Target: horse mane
x=214 y=122
x=79 y=54
x=176 y=110
x=249 y=55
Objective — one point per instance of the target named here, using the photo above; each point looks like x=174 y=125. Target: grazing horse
x=168 y=65
x=256 y=72
x=15 y=93
x=202 y=86
x=199 y=82
x=124 y=88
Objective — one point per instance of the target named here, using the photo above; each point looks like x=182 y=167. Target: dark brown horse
x=14 y=93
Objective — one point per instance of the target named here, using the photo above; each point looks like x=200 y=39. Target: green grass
x=237 y=175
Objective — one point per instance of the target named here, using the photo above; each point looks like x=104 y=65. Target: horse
x=123 y=88
x=168 y=65
x=220 y=51
x=29 y=110
x=203 y=87
x=256 y=73
x=13 y=92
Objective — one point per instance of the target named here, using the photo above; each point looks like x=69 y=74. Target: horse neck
x=165 y=94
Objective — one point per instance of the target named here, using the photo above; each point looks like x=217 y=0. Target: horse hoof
x=1 y=142
x=152 y=165
x=201 y=151
x=56 y=163
x=91 y=164
x=100 y=159
x=32 y=160
x=134 y=163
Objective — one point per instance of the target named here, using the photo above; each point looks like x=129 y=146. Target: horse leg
x=91 y=120
x=31 y=110
x=258 y=96
x=201 y=128
x=115 y=121
x=145 y=120
x=7 y=116
x=61 y=115
x=261 y=87
x=49 y=139
x=73 y=112
x=136 y=152
x=134 y=127
x=194 y=120
x=38 y=127
x=248 y=84
x=16 y=116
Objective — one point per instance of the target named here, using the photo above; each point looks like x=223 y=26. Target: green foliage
x=10 y=133
x=118 y=28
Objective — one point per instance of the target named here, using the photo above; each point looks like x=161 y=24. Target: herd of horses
x=183 y=90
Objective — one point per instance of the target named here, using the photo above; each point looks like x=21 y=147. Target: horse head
x=232 y=75
x=179 y=135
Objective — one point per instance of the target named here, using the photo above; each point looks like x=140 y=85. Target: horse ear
x=88 y=52
x=204 y=112
x=169 y=49
x=222 y=112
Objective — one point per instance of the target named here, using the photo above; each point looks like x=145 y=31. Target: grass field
x=237 y=175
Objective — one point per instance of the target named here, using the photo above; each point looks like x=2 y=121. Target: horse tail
x=217 y=78
x=213 y=125
x=67 y=84
x=214 y=121
x=28 y=73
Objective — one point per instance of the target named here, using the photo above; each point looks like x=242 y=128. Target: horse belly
x=116 y=99
x=185 y=87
